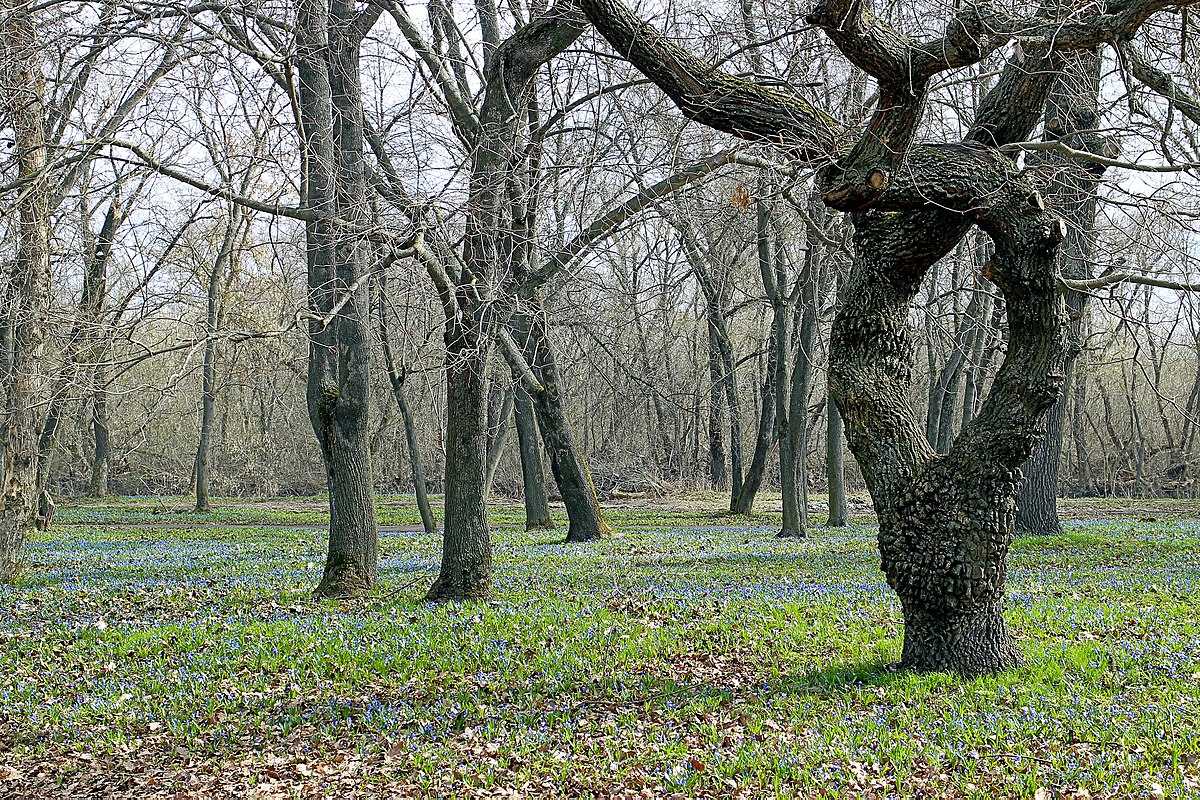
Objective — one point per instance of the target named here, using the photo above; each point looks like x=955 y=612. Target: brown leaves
x=740 y=198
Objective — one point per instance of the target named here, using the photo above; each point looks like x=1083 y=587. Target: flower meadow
x=694 y=655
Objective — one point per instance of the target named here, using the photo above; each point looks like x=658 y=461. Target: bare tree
x=26 y=280
x=945 y=522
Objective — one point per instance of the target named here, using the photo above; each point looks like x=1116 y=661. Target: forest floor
x=152 y=652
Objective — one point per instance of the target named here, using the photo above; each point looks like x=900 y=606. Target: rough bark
x=945 y=522
x=466 y=568
x=495 y=252
x=329 y=34
x=26 y=288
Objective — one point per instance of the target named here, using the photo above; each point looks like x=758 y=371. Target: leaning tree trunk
x=567 y=462
x=499 y=439
x=537 y=505
x=26 y=287
x=396 y=377
x=335 y=192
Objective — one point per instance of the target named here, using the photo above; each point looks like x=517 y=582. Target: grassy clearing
x=689 y=656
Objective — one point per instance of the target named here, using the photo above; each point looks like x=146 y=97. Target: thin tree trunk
x=98 y=484
x=795 y=497
x=718 y=475
x=212 y=324
x=743 y=501
x=396 y=377
x=496 y=446
x=835 y=467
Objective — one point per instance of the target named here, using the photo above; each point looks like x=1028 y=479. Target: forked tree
x=945 y=521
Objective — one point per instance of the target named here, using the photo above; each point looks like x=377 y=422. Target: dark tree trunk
x=537 y=506
x=1072 y=116
x=794 y=432
x=334 y=193
x=83 y=346
x=498 y=235
x=946 y=522
x=466 y=571
x=567 y=462
x=26 y=284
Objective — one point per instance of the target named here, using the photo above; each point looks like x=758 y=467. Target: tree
x=1072 y=118
x=26 y=280
x=946 y=522
x=336 y=210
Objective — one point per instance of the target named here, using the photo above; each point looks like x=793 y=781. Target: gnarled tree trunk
x=945 y=522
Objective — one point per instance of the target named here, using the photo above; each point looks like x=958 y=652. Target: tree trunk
x=497 y=235
x=334 y=192
x=537 y=506
x=396 y=377
x=212 y=323
x=567 y=463
x=718 y=476
x=466 y=571
x=794 y=432
x=26 y=287
x=743 y=501
x=835 y=468
x=98 y=484
x=1072 y=116
x=946 y=522
x=499 y=439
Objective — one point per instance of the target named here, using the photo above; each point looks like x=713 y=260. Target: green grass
x=694 y=654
